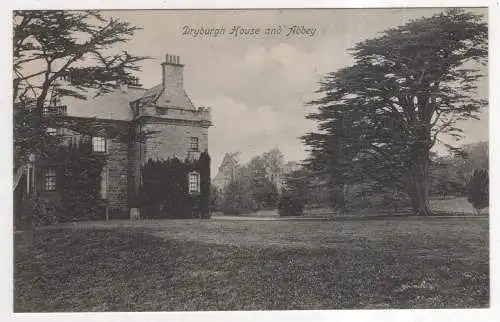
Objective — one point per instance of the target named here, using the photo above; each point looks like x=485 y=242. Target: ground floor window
x=49 y=179
x=98 y=144
x=194 y=182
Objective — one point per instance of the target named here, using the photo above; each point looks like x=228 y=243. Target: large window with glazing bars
x=194 y=144
x=49 y=179
x=194 y=182
x=98 y=144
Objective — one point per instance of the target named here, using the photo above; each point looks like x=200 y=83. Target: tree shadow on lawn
x=129 y=270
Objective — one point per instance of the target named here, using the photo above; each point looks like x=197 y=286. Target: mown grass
x=260 y=266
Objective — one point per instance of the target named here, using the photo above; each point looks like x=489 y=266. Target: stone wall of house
x=134 y=165
x=173 y=139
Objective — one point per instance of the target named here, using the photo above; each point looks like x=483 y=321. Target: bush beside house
x=166 y=191
x=78 y=178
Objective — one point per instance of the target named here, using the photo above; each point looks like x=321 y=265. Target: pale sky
x=257 y=85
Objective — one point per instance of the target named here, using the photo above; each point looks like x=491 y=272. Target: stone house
x=177 y=129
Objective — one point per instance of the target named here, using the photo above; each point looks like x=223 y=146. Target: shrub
x=165 y=192
x=264 y=192
x=44 y=212
x=290 y=204
x=79 y=181
x=478 y=189
x=118 y=213
x=238 y=198
x=215 y=198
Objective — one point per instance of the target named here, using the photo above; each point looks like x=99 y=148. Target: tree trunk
x=423 y=208
x=414 y=198
x=420 y=181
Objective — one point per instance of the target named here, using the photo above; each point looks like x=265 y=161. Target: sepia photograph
x=250 y=159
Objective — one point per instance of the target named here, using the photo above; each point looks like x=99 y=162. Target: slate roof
x=163 y=97
x=111 y=106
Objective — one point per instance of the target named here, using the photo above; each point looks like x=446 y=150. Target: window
x=194 y=182
x=55 y=131
x=193 y=145
x=98 y=144
x=51 y=131
x=49 y=179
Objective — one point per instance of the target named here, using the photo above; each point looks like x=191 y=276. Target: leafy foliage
x=290 y=204
x=379 y=118
x=72 y=45
x=165 y=192
x=44 y=212
x=238 y=197
x=251 y=186
x=478 y=190
x=264 y=191
x=444 y=179
x=215 y=198
x=451 y=174
x=474 y=156
x=79 y=180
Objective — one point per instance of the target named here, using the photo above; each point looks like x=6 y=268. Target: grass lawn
x=168 y=265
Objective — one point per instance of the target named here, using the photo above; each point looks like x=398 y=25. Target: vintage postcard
x=250 y=159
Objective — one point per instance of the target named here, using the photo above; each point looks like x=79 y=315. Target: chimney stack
x=172 y=73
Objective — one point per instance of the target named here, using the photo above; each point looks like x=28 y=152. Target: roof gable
x=168 y=98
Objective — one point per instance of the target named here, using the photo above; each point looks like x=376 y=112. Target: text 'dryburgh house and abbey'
x=239 y=31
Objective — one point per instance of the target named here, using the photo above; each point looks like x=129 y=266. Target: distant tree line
x=252 y=186
x=451 y=174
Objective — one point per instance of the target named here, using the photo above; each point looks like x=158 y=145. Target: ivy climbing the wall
x=166 y=191
x=79 y=181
